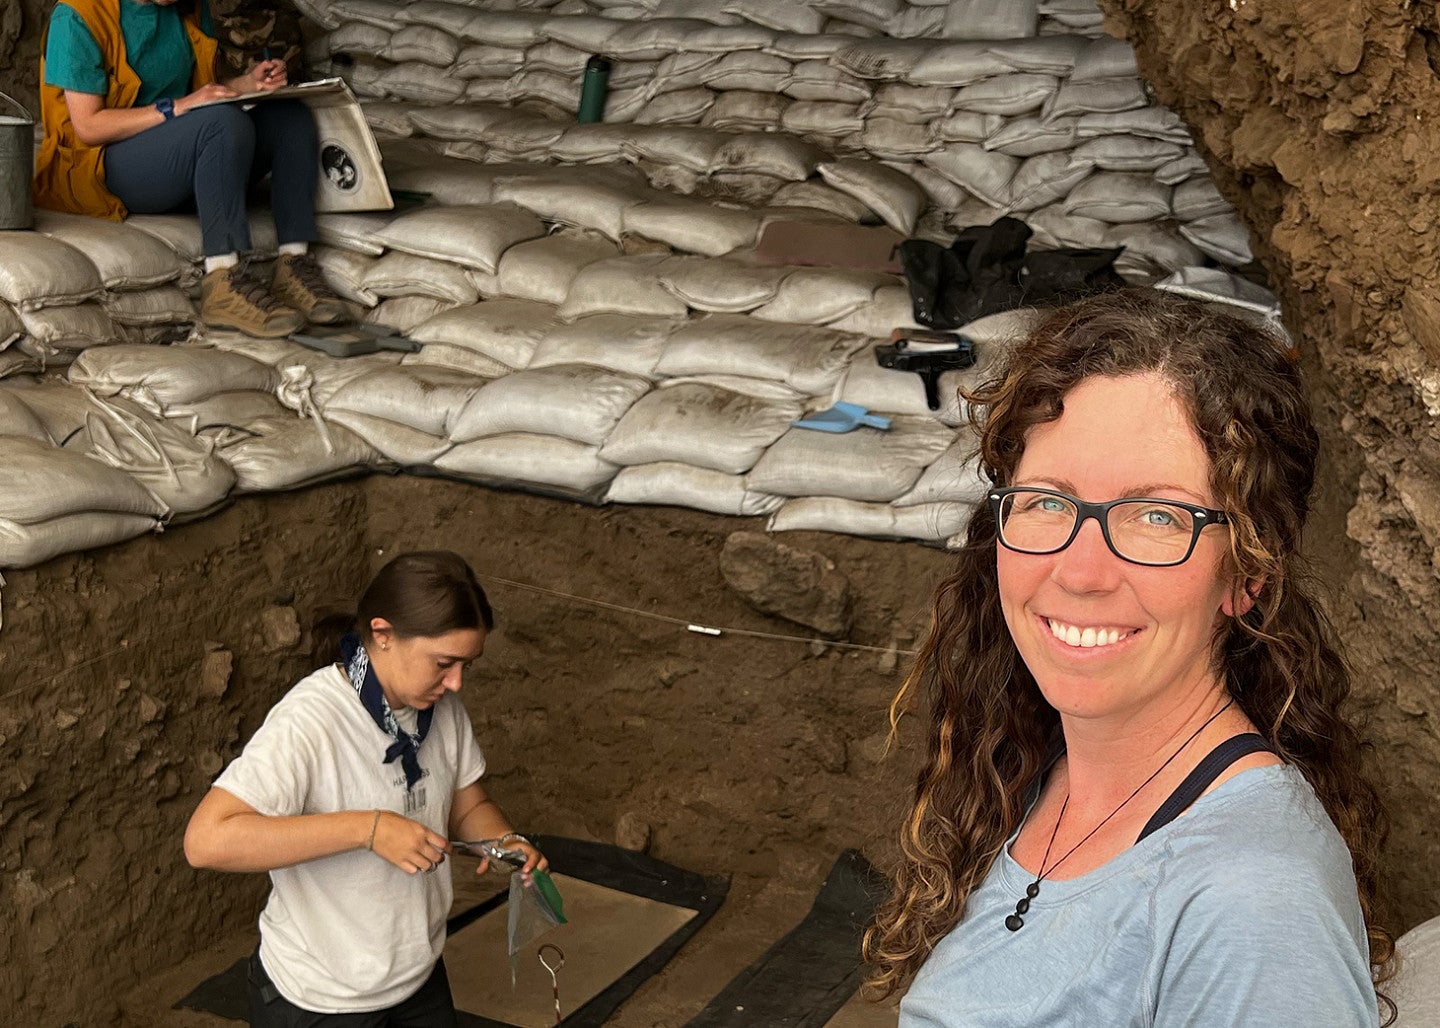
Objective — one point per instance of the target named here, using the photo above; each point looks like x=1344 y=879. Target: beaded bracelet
x=513 y=835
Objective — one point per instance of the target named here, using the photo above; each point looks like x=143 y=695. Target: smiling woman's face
x=1117 y=437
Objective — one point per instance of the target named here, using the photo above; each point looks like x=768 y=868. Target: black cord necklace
x=1022 y=906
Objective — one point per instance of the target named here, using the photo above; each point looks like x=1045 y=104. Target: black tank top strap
x=1197 y=781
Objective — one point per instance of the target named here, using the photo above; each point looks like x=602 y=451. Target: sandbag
x=890 y=308
x=474 y=236
x=622 y=285
x=888 y=138
x=680 y=107
x=278 y=453
x=701 y=425
x=890 y=194
x=161 y=377
x=344 y=271
x=523 y=458
x=715 y=285
x=1045 y=178
x=160 y=305
x=1009 y=95
x=1118 y=198
x=125 y=257
x=930 y=522
x=1048 y=55
x=953 y=477
x=574 y=401
x=693 y=226
x=1125 y=153
x=182 y=472
x=1221 y=236
x=403 y=313
x=1026 y=137
x=456 y=358
x=11 y=327
x=40 y=482
x=37 y=271
x=805 y=358
x=990 y=19
x=821 y=197
x=16 y=418
x=590 y=202
x=423 y=43
x=822 y=118
x=620 y=342
x=747 y=110
x=818 y=296
x=867 y=464
x=427 y=399
x=395 y=441
x=503 y=330
x=687 y=147
x=181 y=232
x=74 y=327
x=819 y=81
x=23 y=546
x=543 y=269
x=420 y=83
x=1099 y=96
x=981 y=172
x=353 y=231
x=681 y=485
x=883 y=59
x=404 y=274
x=762 y=153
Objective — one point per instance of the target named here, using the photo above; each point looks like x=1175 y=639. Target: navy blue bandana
x=372 y=698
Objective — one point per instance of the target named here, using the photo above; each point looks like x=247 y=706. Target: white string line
x=697 y=627
x=691 y=626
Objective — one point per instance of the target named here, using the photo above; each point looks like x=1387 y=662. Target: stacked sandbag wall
x=991 y=108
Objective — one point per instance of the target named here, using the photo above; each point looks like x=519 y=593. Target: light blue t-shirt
x=156 y=48
x=1243 y=911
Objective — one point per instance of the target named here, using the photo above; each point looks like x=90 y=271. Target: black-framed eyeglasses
x=1139 y=529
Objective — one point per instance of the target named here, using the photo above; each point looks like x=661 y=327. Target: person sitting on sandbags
x=128 y=101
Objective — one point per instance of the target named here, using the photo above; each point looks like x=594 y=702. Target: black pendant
x=1015 y=922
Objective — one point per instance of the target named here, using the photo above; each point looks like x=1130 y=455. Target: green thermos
x=592 y=89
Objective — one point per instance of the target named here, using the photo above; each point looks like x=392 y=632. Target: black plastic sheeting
x=597 y=863
x=802 y=980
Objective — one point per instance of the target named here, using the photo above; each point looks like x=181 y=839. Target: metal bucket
x=17 y=166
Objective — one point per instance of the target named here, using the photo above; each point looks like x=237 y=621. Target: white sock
x=221 y=260
x=294 y=249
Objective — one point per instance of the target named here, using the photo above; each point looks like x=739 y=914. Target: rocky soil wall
x=131 y=675
x=1321 y=123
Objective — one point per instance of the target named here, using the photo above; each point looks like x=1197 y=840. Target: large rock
x=798 y=585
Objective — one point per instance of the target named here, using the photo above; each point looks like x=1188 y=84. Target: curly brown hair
x=990 y=728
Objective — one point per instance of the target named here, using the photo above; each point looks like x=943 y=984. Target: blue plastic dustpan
x=842 y=417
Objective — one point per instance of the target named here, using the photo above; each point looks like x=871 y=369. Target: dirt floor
x=750 y=757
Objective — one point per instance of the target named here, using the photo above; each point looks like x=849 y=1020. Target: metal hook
x=552 y=968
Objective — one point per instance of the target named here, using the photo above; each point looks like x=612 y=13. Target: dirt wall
x=133 y=674
x=129 y=676
x=1321 y=123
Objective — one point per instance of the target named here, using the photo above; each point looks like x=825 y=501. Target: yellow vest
x=69 y=175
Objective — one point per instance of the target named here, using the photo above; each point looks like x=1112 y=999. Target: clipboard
x=352 y=175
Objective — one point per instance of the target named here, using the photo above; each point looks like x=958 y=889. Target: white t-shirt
x=351 y=932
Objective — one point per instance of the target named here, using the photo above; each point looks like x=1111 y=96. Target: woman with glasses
x=1142 y=803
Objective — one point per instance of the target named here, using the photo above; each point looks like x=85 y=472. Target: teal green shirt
x=155 y=45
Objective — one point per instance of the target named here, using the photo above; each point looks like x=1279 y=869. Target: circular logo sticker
x=339 y=167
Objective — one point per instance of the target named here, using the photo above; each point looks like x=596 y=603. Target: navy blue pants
x=208 y=159
x=430 y=1007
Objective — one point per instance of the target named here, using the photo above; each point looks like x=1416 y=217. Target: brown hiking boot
x=231 y=298
x=299 y=284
